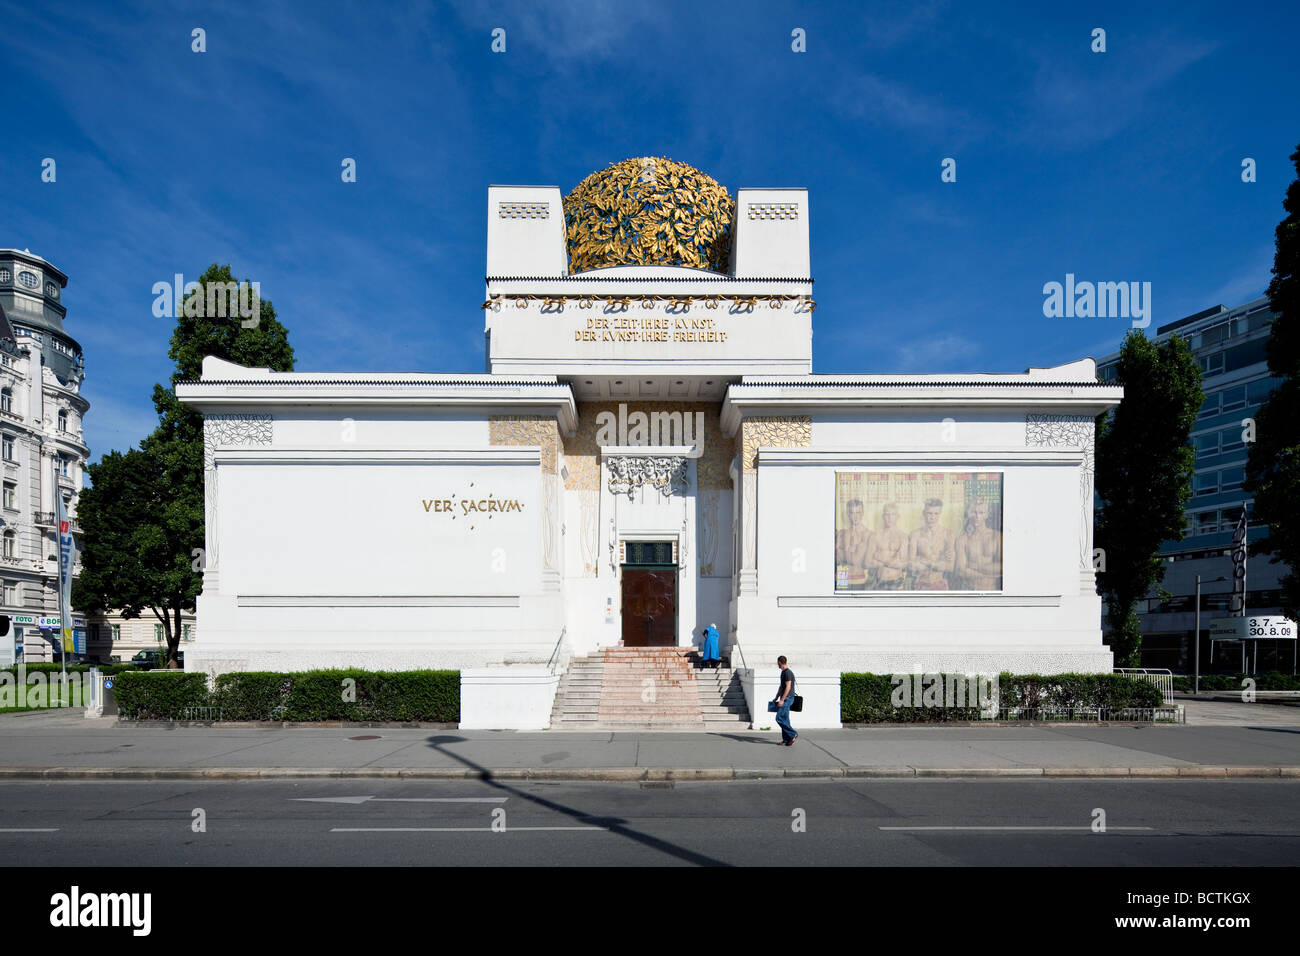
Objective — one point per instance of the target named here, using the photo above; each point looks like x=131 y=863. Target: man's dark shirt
x=786 y=675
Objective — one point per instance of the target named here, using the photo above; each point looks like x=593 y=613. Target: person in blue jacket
x=710 y=650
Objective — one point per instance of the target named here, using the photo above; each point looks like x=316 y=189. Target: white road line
x=355 y=800
x=1088 y=828
x=454 y=829
x=29 y=829
x=438 y=799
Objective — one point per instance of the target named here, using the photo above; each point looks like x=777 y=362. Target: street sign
x=1271 y=628
x=1252 y=628
x=1228 y=628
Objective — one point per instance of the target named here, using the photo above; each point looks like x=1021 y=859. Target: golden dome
x=649 y=211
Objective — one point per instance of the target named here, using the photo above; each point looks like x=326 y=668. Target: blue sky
x=1123 y=165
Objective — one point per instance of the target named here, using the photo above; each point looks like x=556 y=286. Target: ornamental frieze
x=627 y=473
x=540 y=430
x=778 y=431
x=1062 y=431
x=234 y=429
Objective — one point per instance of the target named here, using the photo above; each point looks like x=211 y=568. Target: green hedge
x=424 y=696
x=878 y=698
x=868 y=699
x=1110 y=691
x=159 y=695
x=1273 y=680
x=431 y=696
x=47 y=668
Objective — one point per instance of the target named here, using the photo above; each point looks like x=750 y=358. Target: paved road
x=888 y=822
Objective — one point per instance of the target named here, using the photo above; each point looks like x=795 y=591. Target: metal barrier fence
x=200 y=713
x=1163 y=679
x=1159 y=715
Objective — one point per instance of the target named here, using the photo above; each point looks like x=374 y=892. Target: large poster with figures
x=918 y=531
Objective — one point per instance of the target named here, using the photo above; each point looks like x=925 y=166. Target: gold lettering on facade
x=649 y=329
x=491 y=503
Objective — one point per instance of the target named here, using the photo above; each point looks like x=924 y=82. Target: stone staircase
x=722 y=699
x=607 y=690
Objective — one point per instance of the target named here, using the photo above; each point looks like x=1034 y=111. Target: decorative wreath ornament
x=649 y=211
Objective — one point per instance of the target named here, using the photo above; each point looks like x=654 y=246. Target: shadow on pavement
x=615 y=826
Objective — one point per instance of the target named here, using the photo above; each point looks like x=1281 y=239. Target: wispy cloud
x=571 y=33
x=1076 y=101
x=936 y=354
x=891 y=104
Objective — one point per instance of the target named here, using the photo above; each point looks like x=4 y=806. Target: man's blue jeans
x=783 y=719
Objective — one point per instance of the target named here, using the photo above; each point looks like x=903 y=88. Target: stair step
x=605 y=691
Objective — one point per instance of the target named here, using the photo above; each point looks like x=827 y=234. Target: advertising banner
x=66 y=552
x=918 y=531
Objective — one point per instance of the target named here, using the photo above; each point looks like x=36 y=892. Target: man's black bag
x=797 y=706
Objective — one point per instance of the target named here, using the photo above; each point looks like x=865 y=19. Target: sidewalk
x=1220 y=739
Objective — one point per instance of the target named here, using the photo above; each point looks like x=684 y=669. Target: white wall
x=1041 y=621
x=344 y=527
x=336 y=562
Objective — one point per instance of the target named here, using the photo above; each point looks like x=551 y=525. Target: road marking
x=357 y=800
x=29 y=829
x=453 y=829
x=1088 y=828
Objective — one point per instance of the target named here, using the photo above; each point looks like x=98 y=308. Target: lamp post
x=1196 y=673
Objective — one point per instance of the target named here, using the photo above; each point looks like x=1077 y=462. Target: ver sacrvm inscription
x=918 y=531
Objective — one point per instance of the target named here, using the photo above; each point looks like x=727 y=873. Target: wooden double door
x=650 y=607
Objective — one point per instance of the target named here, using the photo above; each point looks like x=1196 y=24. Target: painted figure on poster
x=931 y=551
x=887 y=558
x=851 y=545
x=978 y=564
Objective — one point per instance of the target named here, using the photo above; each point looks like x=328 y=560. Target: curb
x=637 y=774
x=281 y=724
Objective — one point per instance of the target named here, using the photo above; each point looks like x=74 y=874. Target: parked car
x=149 y=660
x=152 y=660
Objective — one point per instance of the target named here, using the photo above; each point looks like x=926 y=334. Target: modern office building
x=648 y=453
x=1229 y=347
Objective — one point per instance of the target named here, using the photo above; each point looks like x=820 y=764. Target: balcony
x=43 y=519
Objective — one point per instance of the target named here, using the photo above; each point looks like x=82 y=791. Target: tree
x=142 y=519
x=1273 y=465
x=131 y=540
x=1144 y=477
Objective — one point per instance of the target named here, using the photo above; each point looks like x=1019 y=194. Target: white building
x=42 y=449
x=648 y=453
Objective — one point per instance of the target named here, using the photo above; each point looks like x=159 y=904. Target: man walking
x=784 y=698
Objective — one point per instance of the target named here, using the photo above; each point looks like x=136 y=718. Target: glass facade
x=1229 y=346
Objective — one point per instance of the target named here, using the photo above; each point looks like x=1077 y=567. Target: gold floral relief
x=527 y=430
x=581 y=451
x=780 y=431
x=649 y=211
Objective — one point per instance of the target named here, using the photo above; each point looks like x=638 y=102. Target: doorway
x=649 y=606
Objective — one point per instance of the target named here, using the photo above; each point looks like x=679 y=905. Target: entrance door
x=649 y=607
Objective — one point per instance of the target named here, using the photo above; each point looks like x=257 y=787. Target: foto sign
x=1252 y=628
